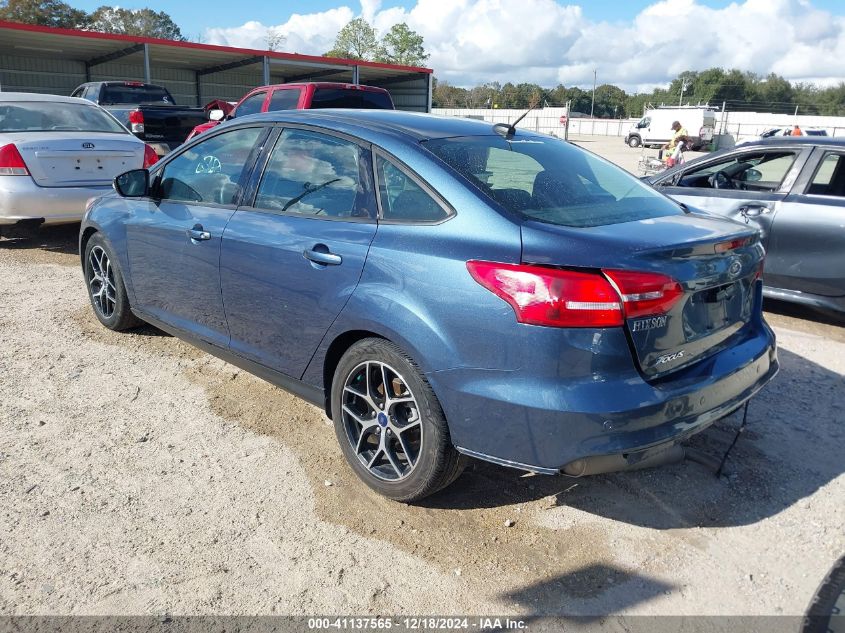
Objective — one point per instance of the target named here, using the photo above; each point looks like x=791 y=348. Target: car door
x=173 y=238
x=807 y=244
x=290 y=262
x=747 y=185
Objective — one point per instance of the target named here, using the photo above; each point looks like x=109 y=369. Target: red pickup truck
x=301 y=97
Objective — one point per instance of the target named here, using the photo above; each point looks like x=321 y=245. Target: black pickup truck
x=148 y=111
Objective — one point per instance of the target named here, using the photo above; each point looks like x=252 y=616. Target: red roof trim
x=17 y=26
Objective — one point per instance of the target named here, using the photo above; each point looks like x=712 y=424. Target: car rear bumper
x=541 y=424
x=21 y=200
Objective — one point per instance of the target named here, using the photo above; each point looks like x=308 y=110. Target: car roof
x=34 y=96
x=416 y=125
x=322 y=84
x=796 y=140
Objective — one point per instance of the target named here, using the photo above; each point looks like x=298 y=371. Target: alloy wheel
x=101 y=282
x=382 y=421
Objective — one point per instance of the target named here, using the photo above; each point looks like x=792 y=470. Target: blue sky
x=635 y=44
x=219 y=13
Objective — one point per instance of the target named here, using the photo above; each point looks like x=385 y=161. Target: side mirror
x=133 y=184
x=216 y=115
x=752 y=175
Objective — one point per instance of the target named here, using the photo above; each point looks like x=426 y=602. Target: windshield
x=549 y=180
x=115 y=94
x=47 y=116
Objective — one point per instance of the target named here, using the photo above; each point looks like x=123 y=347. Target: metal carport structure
x=49 y=60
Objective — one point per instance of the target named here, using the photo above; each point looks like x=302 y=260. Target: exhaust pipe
x=601 y=464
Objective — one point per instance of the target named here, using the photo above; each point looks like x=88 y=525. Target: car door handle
x=320 y=254
x=754 y=210
x=198 y=234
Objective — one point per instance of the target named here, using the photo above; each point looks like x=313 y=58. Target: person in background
x=796 y=131
x=677 y=132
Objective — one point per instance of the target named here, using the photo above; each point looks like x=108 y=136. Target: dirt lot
x=141 y=476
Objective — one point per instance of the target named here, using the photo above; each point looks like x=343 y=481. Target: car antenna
x=508 y=130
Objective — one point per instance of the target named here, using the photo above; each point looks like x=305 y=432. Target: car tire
x=106 y=289
x=389 y=423
x=634 y=141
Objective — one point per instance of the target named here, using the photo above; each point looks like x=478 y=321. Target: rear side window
x=350 y=98
x=402 y=198
x=284 y=99
x=549 y=180
x=335 y=98
x=210 y=171
x=830 y=177
x=317 y=175
x=251 y=105
x=133 y=94
x=372 y=100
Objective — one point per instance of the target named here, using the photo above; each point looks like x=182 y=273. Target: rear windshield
x=340 y=98
x=47 y=116
x=129 y=94
x=550 y=180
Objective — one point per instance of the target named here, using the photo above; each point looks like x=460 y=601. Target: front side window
x=250 y=105
x=829 y=179
x=211 y=171
x=49 y=116
x=550 y=180
x=402 y=198
x=757 y=171
x=284 y=99
x=314 y=174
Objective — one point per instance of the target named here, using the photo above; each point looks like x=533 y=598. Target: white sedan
x=56 y=153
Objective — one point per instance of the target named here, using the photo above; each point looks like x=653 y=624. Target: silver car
x=56 y=153
x=793 y=190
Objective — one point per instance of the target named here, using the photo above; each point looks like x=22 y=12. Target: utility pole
x=684 y=85
x=593 y=104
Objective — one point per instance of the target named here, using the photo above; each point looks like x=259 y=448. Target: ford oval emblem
x=87 y=146
x=735 y=268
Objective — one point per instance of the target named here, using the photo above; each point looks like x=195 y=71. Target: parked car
x=783 y=131
x=495 y=293
x=148 y=111
x=793 y=190
x=55 y=154
x=304 y=96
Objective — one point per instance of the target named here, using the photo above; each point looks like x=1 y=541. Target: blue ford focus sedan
x=442 y=288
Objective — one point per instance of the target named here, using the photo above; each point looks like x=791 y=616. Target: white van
x=655 y=128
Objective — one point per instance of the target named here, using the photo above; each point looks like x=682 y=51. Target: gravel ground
x=141 y=476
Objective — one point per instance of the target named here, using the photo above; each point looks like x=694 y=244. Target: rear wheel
x=106 y=289
x=389 y=423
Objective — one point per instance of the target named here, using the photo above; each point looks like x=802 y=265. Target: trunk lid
x=78 y=160
x=715 y=262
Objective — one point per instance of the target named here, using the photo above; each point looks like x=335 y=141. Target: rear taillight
x=568 y=298
x=548 y=296
x=150 y=156
x=645 y=294
x=11 y=162
x=136 y=121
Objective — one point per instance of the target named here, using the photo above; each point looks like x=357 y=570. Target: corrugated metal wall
x=59 y=76
x=40 y=74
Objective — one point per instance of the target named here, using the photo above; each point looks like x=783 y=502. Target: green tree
x=356 y=40
x=43 y=13
x=401 y=45
x=141 y=22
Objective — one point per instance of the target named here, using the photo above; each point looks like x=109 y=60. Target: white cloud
x=547 y=42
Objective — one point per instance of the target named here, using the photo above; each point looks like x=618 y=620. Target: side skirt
x=309 y=393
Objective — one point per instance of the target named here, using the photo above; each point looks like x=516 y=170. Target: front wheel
x=389 y=423
x=106 y=289
x=633 y=141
